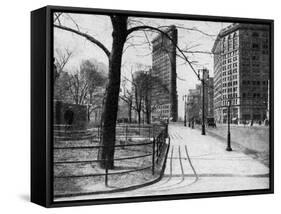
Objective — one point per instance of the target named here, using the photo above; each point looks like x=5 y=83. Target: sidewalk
x=198 y=163
x=218 y=169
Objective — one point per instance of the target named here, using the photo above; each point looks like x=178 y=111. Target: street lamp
x=192 y=121
x=184 y=98
x=228 y=148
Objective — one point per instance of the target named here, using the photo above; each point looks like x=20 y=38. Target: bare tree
x=61 y=59
x=78 y=88
x=127 y=96
x=95 y=80
x=122 y=30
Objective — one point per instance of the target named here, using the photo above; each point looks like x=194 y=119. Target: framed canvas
x=134 y=106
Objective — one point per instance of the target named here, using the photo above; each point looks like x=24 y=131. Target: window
x=229 y=43
x=235 y=41
x=255 y=46
x=255 y=34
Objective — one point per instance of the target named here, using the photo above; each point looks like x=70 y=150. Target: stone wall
x=80 y=112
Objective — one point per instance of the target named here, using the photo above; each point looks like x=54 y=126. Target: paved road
x=199 y=163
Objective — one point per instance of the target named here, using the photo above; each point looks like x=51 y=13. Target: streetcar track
x=180 y=159
x=171 y=169
x=180 y=137
x=182 y=171
x=172 y=186
x=183 y=176
x=190 y=163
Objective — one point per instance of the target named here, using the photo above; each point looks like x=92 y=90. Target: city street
x=198 y=163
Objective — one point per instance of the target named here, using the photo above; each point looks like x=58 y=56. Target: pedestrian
x=68 y=117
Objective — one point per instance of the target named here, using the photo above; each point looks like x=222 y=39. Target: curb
x=124 y=188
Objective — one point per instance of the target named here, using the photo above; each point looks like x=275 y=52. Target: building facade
x=193 y=104
x=194 y=101
x=164 y=91
x=209 y=99
x=241 y=73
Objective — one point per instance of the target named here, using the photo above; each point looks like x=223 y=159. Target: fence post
x=126 y=134
x=106 y=171
x=157 y=145
x=153 y=155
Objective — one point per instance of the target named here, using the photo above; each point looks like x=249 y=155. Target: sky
x=138 y=48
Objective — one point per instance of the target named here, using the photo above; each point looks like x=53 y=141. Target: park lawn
x=65 y=182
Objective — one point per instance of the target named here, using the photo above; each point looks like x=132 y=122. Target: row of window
x=254 y=46
x=230 y=54
x=229 y=84
x=233 y=102
x=229 y=72
x=254 y=95
x=229 y=78
x=248 y=82
x=228 y=96
x=230 y=42
x=229 y=90
x=234 y=59
x=230 y=66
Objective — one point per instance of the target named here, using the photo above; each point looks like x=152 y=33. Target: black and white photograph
x=162 y=107
x=156 y=106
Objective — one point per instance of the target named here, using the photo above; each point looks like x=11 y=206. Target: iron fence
x=153 y=139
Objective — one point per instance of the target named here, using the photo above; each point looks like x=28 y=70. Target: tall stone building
x=210 y=97
x=194 y=104
x=194 y=101
x=164 y=93
x=241 y=72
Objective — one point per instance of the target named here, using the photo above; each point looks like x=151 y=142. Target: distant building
x=241 y=72
x=194 y=101
x=193 y=104
x=140 y=97
x=164 y=95
x=210 y=97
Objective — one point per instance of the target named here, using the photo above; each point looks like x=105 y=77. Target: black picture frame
x=42 y=109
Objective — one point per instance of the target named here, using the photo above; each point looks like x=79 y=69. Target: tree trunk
x=88 y=108
x=147 y=117
x=119 y=34
x=130 y=112
x=139 y=117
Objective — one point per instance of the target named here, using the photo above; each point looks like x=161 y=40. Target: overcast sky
x=100 y=27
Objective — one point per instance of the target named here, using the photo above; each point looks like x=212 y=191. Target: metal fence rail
x=156 y=134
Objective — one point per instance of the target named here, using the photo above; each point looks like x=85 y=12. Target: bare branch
x=62 y=59
x=147 y=27
x=85 y=35
x=57 y=16
x=74 y=22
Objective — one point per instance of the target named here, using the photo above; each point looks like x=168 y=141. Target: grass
x=65 y=182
